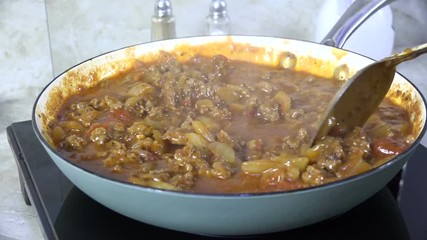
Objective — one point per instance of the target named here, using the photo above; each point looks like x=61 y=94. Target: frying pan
x=232 y=214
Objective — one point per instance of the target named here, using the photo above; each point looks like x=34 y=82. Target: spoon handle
x=358 y=12
x=407 y=54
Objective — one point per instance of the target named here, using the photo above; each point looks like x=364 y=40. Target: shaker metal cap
x=162 y=8
x=218 y=9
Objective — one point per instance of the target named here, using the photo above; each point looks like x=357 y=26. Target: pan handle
x=353 y=17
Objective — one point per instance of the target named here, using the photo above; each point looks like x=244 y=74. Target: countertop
x=40 y=39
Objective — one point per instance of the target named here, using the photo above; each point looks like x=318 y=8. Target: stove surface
x=67 y=213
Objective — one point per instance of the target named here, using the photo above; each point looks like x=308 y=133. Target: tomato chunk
x=123 y=115
x=387 y=146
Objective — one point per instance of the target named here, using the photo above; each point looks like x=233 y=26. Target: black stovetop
x=399 y=211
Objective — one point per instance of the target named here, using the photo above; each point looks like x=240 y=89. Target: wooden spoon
x=361 y=95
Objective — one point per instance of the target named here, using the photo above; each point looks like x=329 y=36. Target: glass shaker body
x=162 y=28
x=218 y=26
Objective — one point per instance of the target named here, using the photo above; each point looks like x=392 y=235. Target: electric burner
x=398 y=211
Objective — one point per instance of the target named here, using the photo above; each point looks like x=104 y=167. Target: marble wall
x=94 y=27
x=24 y=50
x=25 y=65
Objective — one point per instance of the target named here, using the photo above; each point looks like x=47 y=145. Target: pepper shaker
x=163 y=21
x=217 y=20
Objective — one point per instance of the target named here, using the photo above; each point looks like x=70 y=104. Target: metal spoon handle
x=407 y=54
x=353 y=17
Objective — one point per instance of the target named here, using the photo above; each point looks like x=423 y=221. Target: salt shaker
x=163 y=21
x=218 y=22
